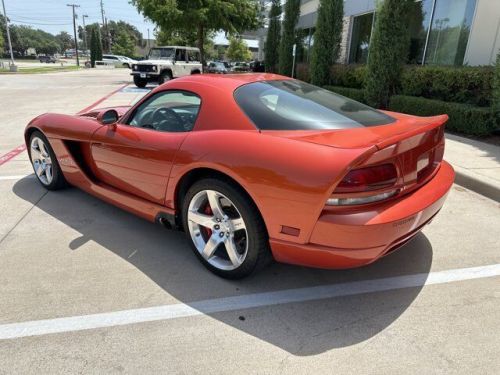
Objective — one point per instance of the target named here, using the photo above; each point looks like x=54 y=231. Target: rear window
x=295 y=105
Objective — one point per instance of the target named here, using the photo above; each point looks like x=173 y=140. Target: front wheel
x=225 y=229
x=140 y=82
x=45 y=163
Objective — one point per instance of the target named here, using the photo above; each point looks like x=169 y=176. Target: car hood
x=404 y=127
x=154 y=62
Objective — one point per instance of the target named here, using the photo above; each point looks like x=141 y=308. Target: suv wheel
x=140 y=82
x=164 y=77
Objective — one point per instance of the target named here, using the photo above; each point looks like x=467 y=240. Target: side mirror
x=108 y=117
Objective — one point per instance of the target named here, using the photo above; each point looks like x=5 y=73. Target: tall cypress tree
x=273 y=38
x=327 y=37
x=292 y=13
x=388 y=51
x=93 y=47
x=496 y=88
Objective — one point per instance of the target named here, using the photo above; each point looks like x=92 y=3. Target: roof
x=183 y=47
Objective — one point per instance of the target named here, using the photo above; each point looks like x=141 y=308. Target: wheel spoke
x=238 y=224
x=43 y=149
x=35 y=154
x=48 y=172
x=210 y=247
x=232 y=252
x=201 y=219
x=213 y=200
x=39 y=170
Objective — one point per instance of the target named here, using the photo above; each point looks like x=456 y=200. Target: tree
x=123 y=45
x=388 y=51
x=327 y=37
x=272 y=45
x=201 y=16
x=95 y=47
x=2 y=43
x=496 y=89
x=292 y=13
x=238 y=50
x=65 y=41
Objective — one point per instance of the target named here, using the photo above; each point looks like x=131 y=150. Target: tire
x=40 y=152
x=140 y=82
x=164 y=77
x=250 y=242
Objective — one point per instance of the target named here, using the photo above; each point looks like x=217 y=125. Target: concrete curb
x=477 y=183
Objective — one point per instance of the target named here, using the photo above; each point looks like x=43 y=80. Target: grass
x=40 y=69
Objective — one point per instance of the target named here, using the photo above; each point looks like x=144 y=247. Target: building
x=443 y=32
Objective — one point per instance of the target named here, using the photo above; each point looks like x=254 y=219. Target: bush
x=496 y=88
x=464 y=118
x=348 y=75
x=355 y=94
x=471 y=85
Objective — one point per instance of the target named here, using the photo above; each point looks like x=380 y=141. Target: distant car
x=47 y=59
x=241 y=67
x=167 y=62
x=217 y=68
x=119 y=61
x=257 y=66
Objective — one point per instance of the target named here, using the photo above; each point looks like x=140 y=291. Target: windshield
x=161 y=53
x=295 y=105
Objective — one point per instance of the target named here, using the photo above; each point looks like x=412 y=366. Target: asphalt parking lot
x=88 y=288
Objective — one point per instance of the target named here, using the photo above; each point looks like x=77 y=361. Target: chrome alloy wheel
x=42 y=163
x=217 y=230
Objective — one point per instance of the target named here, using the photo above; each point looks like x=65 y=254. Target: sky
x=54 y=16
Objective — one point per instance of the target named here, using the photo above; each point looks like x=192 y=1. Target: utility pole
x=84 y=33
x=148 y=40
x=13 y=67
x=105 y=27
x=74 y=30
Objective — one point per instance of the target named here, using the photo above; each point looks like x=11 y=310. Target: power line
x=38 y=23
x=74 y=30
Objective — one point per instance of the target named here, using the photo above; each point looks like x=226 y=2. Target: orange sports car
x=254 y=167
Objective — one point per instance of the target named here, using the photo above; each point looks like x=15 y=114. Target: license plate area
x=143 y=75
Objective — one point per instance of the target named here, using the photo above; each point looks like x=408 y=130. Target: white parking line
x=166 y=312
x=16 y=177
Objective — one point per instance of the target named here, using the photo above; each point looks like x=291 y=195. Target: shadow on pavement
x=302 y=329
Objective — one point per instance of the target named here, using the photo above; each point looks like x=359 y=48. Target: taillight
x=364 y=180
x=367 y=179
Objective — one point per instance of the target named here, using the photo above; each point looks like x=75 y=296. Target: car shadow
x=302 y=329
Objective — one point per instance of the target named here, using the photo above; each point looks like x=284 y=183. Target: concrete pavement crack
x=22 y=218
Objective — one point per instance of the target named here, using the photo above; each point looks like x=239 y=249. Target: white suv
x=165 y=63
x=118 y=61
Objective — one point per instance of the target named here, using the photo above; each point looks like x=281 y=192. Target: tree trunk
x=201 y=39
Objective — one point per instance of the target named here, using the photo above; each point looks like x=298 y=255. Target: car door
x=136 y=156
x=180 y=62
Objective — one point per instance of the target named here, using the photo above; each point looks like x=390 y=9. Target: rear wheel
x=140 y=82
x=225 y=229
x=45 y=163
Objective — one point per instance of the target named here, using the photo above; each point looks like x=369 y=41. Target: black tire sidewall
x=164 y=77
x=257 y=234
x=140 y=82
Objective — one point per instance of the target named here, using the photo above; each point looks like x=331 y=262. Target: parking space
x=125 y=295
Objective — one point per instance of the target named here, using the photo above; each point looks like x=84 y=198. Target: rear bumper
x=355 y=239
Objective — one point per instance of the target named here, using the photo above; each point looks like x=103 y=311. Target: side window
x=168 y=111
x=180 y=55
x=194 y=56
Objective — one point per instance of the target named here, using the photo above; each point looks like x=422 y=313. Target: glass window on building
x=450 y=30
x=420 y=18
x=360 y=38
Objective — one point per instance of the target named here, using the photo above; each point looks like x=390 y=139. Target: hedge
x=348 y=75
x=470 y=85
x=464 y=118
x=355 y=94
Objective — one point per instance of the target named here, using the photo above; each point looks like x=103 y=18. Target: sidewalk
x=477 y=165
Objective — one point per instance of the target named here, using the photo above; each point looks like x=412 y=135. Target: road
x=127 y=296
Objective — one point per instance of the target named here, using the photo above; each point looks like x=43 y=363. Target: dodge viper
x=255 y=167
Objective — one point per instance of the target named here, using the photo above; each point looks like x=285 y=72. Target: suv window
x=168 y=111
x=180 y=55
x=295 y=105
x=194 y=56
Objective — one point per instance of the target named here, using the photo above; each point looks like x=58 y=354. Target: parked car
x=47 y=59
x=257 y=66
x=119 y=61
x=217 y=68
x=241 y=67
x=165 y=63
x=255 y=166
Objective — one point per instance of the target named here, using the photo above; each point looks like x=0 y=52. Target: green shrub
x=471 y=85
x=496 y=88
x=348 y=75
x=302 y=72
x=355 y=94
x=464 y=118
